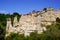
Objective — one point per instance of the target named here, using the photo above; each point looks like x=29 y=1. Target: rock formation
x=34 y=21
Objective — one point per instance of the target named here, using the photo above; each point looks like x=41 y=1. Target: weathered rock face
x=48 y=17
x=30 y=22
x=27 y=24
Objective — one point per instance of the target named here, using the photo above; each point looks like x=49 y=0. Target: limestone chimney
x=8 y=26
x=15 y=22
x=9 y=22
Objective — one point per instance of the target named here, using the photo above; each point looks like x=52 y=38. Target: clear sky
x=25 y=6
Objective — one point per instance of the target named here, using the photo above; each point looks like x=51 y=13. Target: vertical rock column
x=15 y=22
x=8 y=26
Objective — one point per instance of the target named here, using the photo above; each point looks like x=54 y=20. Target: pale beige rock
x=30 y=22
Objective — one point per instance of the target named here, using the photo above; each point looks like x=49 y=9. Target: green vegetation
x=45 y=9
x=3 y=20
x=14 y=36
x=52 y=33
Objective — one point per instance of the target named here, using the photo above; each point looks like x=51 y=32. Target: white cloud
x=2 y=11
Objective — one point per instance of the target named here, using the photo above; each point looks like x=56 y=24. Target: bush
x=14 y=36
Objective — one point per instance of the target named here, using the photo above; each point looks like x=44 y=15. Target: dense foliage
x=3 y=20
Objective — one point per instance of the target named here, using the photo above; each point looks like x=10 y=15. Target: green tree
x=57 y=19
x=45 y=9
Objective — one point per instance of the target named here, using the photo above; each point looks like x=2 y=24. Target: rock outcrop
x=34 y=21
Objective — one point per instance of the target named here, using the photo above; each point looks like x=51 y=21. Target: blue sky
x=25 y=6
